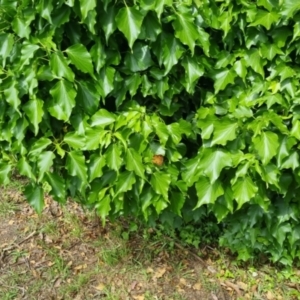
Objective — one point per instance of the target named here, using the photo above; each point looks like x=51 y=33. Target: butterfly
x=158 y=160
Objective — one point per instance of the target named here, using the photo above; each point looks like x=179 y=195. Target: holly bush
x=160 y=110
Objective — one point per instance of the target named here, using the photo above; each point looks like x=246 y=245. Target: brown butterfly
x=158 y=160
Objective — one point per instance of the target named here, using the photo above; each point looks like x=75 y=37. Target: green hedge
x=158 y=109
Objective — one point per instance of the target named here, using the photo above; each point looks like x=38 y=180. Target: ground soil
x=66 y=254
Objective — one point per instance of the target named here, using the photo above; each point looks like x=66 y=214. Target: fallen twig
x=233 y=286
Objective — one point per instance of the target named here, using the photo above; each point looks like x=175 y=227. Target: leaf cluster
x=91 y=91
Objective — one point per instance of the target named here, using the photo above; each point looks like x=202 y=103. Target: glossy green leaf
x=103 y=207
x=59 y=66
x=5 y=170
x=254 y=61
x=20 y=27
x=95 y=166
x=185 y=30
x=176 y=202
x=266 y=145
x=25 y=168
x=243 y=190
x=63 y=101
x=86 y=6
x=139 y=59
x=190 y=173
x=160 y=183
x=58 y=187
x=207 y=193
x=129 y=21
x=108 y=22
x=265 y=18
x=35 y=197
x=45 y=8
x=134 y=162
x=45 y=162
x=222 y=79
x=76 y=165
x=240 y=68
x=75 y=140
x=106 y=81
x=193 y=71
x=38 y=146
x=81 y=58
x=291 y=162
x=168 y=50
x=151 y=27
x=213 y=161
x=12 y=96
x=290 y=7
x=113 y=157
x=125 y=182
x=6 y=45
x=34 y=111
x=87 y=96
x=102 y=118
x=224 y=131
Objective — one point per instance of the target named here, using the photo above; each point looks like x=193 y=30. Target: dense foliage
x=158 y=109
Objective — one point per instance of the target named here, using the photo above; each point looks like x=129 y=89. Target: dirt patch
x=66 y=254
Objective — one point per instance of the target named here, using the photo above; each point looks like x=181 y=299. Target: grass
x=71 y=257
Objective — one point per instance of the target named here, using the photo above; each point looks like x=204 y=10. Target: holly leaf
x=129 y=21
x=81 y=58
x=160 y=183
x=244 y=190
x=35 y=197
x=207 y=193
